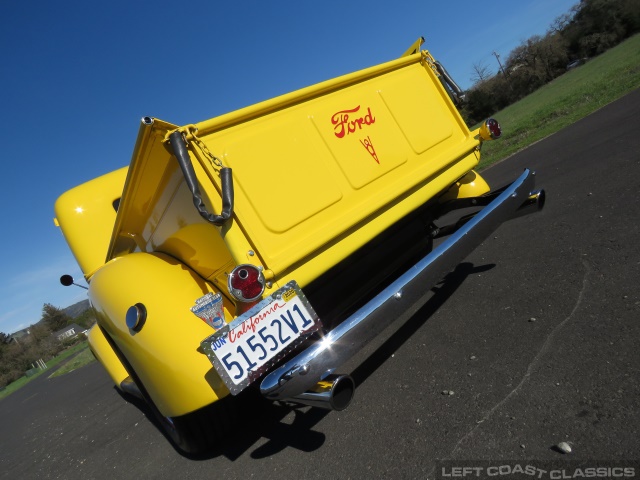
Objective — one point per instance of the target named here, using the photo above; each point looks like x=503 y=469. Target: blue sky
x=77 y=76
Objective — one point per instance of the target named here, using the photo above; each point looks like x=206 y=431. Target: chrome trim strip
x=400 y=300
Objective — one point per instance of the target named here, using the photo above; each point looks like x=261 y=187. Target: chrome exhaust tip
x=333 y=393
x=533 y=204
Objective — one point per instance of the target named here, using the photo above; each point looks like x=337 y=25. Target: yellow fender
x=164 y=352
x=469 y=186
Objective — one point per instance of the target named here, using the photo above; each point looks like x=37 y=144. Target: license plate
x=244 y=349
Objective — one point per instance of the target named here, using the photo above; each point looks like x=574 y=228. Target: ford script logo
x=346 y=121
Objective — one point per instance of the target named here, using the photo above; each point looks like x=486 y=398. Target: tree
x=535 y=62
x=480 y=72
x=561 y=22
x=86 y=319
x=54 y=317
x=600 y=24
x=486 y=98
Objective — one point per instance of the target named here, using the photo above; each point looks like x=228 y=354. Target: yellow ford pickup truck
x=262 y=249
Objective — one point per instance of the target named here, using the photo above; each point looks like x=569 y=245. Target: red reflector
x=490 y=129
x=246 y=283
x=494 y=128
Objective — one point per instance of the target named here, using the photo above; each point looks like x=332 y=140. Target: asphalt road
x=536 y=334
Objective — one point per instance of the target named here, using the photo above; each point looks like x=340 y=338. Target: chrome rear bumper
x=403 y=298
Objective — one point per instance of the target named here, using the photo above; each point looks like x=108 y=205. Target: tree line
x=589 y=28
x=17 y=356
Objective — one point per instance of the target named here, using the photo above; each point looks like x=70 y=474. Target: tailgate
x=310 y=166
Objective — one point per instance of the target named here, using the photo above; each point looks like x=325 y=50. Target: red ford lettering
x=344 y=122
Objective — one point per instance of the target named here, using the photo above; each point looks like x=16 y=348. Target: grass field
x=567 y=99
x=85 y=357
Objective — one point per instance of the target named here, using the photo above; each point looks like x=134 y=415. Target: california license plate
x=245 y=348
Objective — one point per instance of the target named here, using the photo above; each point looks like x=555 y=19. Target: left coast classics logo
x=346 y=122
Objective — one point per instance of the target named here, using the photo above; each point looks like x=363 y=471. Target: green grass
x=568 y=98
x=12 y=387
x=85 y=357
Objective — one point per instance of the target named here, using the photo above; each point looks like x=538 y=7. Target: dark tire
x=193 y=433
x=203 y=430
x=200 y=431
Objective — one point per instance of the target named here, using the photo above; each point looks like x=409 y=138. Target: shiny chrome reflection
x=298 y=375
x=333 y=393
x=533 y=204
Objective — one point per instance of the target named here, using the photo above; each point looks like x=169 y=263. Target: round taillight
x=490 y=129
x=246 y=283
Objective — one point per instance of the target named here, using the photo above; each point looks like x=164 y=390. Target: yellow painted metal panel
x=157 y=213
x=265 y=172
x=86 y=216
x=376 y=135
x=471 y=185
x=360 y=132
x=164 y=353
x=152 y=176
x=426 y=120
x=306 y=272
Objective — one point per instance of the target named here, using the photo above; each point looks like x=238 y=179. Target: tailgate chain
x=178 y=141
x=215 y=162
x=189 y=135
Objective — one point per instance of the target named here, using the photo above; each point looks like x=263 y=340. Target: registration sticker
x=246 y=348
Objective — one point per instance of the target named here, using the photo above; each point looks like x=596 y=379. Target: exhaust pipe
x=533 y=204
x=333 y=393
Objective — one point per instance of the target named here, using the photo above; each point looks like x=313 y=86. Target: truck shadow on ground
x=262 y=419
x=300 y=434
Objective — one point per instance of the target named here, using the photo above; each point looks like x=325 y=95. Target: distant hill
x=74 y=311
x=77 y=309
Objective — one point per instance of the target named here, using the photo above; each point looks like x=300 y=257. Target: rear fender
x=164 y=352
x=469 y=186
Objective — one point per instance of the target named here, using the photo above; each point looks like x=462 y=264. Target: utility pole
x=497 y=55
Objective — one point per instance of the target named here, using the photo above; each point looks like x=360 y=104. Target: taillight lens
x=246 y=283
x=490 y=129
